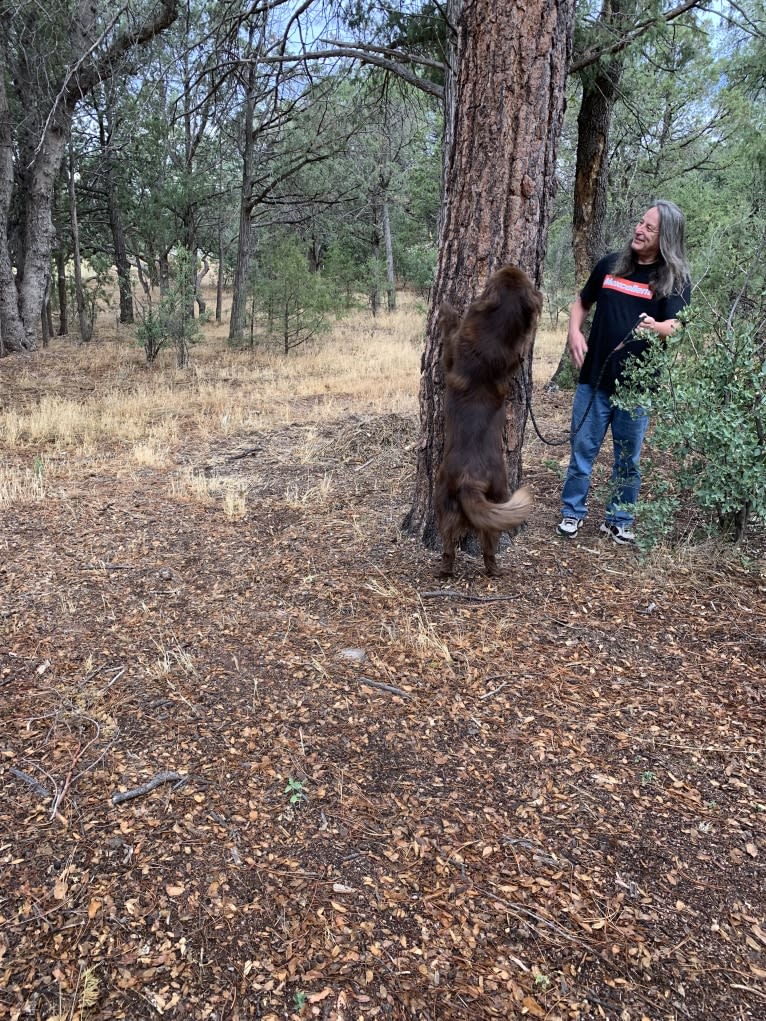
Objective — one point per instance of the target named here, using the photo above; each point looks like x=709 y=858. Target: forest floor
x=377 y=795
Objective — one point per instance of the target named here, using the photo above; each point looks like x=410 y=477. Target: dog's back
x=481 y=353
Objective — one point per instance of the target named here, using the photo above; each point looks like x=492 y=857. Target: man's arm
x=576 y=342
x=664 y=328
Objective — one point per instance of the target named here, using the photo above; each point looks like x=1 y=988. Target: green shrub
x=704 y=390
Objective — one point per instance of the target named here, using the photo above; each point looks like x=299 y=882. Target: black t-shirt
x=619 y=302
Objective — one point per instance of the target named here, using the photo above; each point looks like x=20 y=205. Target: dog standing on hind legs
x=481 y=353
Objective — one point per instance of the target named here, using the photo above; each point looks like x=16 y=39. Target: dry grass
x=374 y=361
x=138 y=414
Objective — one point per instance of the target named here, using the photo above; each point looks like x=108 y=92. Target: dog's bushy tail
x=499 y=517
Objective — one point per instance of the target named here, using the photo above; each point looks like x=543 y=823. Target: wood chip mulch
x=269 y=767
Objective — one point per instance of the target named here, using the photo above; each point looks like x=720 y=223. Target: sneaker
x=622 y=534
x=569 y=527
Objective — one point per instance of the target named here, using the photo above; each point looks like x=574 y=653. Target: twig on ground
x=30 y=780
x=361 y=467
x=146 y=788
x=448 y=593
x=520 y=911
x=494 y=691
x=105 y=566
x=59 y=795
x=246 y=453
x=385 y=687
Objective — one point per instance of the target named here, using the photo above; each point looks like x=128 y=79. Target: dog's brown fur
x=481 y=353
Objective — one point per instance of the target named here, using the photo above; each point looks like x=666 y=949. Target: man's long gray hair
x=672 y=272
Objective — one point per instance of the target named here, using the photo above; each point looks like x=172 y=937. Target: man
x=646 y=285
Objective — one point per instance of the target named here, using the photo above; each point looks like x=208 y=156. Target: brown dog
x=481 y=353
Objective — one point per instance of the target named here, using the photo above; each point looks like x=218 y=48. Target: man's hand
x=664 y=328
x=578 y=347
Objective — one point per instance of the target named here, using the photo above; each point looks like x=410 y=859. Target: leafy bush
x=704 y=389
x=417 y=267
x=294 y=303
x=172 y=320
x=151 y=334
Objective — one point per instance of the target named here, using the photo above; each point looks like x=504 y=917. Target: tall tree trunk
x=45 y=105
x=375 y=239
x=119 y=243
x=389 y=246
x=509 y=72
x=219 y=278
x=61 y=289
x=600 y=85
x=21 y=297
x=198 y=297
x=146 y=285
x=45 y=321
x=247 y=149
x=242 y=266
x=163 y=268
x=11 y=329
x=85 y=324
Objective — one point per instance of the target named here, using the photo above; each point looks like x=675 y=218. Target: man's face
x=646 y=236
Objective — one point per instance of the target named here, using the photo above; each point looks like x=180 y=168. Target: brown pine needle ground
x=349 y=796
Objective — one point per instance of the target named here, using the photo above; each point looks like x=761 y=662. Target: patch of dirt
x=540 y=795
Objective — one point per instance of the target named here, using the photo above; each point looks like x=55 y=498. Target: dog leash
x=573 y=432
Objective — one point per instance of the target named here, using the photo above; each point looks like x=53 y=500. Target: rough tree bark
x=248 y=131
x=85 y=324
x=61 y=289
x=242 y=265
x=198 y=296
x=504 y=100
x=119 y=242
x=600 y=84
x=389 y=247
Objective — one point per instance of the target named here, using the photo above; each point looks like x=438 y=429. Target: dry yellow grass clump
x=72 y=404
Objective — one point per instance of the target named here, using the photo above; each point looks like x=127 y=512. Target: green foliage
x=343 y=270
x=151 y=333
x=566 y=375
x=172 y=321
x=294 y=303
x=417 y=267
x=299 y=1000
x=704 y=389
x=295 y=788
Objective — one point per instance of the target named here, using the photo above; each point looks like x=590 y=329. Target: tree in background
x=52 y=56
x=293 y=304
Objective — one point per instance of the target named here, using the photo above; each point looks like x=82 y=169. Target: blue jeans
x=628 y=431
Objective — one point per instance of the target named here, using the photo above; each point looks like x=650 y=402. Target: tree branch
x=370 y=55
x=593 y=56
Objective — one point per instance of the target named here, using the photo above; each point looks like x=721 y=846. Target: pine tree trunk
x=86 y=326
x=244 y=246
x=389 y=245
x=599 y=94
x=219 y=279
x=61 y=289
x=509 y=72
x=119 y=244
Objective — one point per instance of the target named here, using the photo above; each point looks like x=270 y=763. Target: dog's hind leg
x=489 y=542
x=447 y=568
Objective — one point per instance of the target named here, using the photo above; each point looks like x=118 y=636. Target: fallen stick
x=385 y=687
x=494 y=691
x=36 y=787
x=448 y=593
x=245 y=453
x=146 y=788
